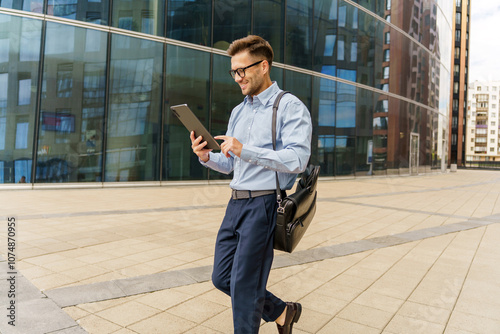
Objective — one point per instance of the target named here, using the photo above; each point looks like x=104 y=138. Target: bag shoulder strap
x=275 y=112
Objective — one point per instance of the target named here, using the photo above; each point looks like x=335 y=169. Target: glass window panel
x=325 y=37
x=344 y=155
x=299 y=33
x=346 y=106
x=82 y=10
x=18 y=78
x=3 y=131
x=4 y=50
x=299 y=84
x=134 y=110
x=34 y=6
x=144 y=16
x=269 y=23
x=232 y=20
x=190 y=21
x=187 y=81
x=24 y=92
x=72 y=106
x=341 y=48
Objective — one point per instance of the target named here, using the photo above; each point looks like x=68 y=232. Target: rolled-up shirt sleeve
x=293 y=142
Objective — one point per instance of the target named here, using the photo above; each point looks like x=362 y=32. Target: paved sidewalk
x=383 y=255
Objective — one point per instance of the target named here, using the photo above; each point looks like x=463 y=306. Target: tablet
x=192 y=123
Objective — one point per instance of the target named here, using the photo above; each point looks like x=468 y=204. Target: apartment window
x=492 y=132
x=457 y=34
x=494 y=97
x=388 y=18
x=388 y=5
x=459 y=3
x=494 y=115
x=388 y=38
x=472 y=140
x=492 y=141
x=455 y=87
x=494 y=88
x=493 y=106
x=457 y=53
x=493 y=123
x=471 y=130
x=492 y=149
x=478 y=88
x=386 y=72
x=456 y=70
x=387 y=55
x=458 y=18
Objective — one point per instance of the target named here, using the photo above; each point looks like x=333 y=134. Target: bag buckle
x=280 y=209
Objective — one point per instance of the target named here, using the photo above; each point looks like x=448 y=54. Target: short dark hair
x=255 y=45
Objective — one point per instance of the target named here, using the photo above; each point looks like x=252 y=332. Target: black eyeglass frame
x=233 y=73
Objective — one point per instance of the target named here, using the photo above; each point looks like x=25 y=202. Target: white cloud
x=484 y=48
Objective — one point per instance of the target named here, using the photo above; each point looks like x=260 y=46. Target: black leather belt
x=243 y=194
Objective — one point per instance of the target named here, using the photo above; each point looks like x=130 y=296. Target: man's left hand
x=230 y=144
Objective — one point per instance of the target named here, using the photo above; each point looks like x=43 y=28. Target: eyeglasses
x=241 y=71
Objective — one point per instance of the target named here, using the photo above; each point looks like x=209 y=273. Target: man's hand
x=230 y=144
x=198 y=147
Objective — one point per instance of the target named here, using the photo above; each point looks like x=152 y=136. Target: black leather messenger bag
x=295 y=211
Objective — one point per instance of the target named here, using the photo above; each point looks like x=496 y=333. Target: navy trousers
x=243 y=259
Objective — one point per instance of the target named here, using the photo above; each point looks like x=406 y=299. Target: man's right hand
x=199 y=147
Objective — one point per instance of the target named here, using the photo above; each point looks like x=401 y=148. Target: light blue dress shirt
x=250 y=123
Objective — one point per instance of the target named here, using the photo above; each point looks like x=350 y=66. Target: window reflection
x=134 y=110
x=34 y=6
x=18 y=78
x=189 y=21
x=144 y=16
x=94 y=11
x=269 y=18
x=298 y=33
x=72 y=106
x=187 y=81
x=232 y=20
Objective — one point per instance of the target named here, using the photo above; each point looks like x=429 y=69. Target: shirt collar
x=266 y=95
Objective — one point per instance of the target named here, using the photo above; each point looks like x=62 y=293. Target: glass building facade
x=86 y=85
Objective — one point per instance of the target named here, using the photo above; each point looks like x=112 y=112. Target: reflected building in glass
x=86 y=85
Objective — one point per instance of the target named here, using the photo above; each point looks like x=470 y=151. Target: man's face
x=253 y=81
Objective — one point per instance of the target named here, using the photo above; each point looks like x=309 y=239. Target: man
x=244 y=247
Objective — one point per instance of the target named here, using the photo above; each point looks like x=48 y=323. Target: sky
x=484 y=48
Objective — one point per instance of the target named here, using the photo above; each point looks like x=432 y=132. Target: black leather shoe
x=293 y=311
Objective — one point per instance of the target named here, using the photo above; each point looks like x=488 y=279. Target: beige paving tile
x=75 y=312
x=342 y=292
x=124 y=331
x=311 y=321
x=202 y=330
x=96 y=325
x=127 y=313
x=378 y=301
x=164 y=299
x=222 y=322
x=197 y=309
x=105 y=304
x=324 y=304
x=425 y=312
x=338 y=325
x=400 y=324
x=473 y=323
x=161 y=323
x=365 y=315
